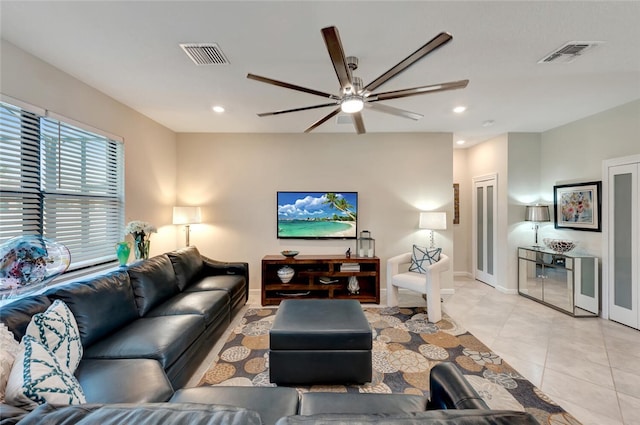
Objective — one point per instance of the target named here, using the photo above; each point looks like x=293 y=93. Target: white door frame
x=607 y=240
x=484 y=277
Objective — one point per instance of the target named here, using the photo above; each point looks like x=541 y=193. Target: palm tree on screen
x=338 y=202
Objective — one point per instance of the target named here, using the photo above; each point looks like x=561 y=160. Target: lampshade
x=537 y=213
x=186 y=215
x=433 y=220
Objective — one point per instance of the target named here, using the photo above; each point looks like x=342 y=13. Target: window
x=62 y=181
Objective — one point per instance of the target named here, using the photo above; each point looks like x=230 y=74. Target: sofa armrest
x=450 y=390
x=215 y=267
x=212 y=267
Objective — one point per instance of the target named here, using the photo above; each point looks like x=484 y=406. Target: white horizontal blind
x=80 y=187
x=20 y=197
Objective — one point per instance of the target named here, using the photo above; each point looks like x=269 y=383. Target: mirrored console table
x=564 y=282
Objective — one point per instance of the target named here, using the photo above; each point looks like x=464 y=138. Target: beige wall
x=523 y=189
x=235 y=178
x=462 y=232
x=150 y=149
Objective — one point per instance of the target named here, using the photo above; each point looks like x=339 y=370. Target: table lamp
x=537 y=214
x=433 y=220
x=186 y=216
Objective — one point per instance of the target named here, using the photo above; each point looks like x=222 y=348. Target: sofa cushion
x=271 y=403
x=153 y=282
x=123 y=381
x=187 y=264
x=17 y=314
x=11 y=415
x=320 y=402
x=38 y=377
x=209 y=304
x=57 y=330
x=431 y=417
x=142 y=414
x=162 y=338
x=100 y=306
x=232 y=283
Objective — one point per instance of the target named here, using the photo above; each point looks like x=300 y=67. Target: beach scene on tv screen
x=317 y=214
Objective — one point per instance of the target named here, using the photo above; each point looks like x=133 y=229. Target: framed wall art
x=456 y=203
x=577 y=206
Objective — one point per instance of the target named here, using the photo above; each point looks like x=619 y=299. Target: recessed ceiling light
x=460 y=142
x=219 y=109
x=459 y=109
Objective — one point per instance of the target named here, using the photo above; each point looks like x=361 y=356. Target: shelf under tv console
x=309 y=269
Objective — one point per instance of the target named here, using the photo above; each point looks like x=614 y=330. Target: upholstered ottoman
x=320 y=342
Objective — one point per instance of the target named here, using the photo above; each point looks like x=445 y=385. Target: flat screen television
x=317 y=215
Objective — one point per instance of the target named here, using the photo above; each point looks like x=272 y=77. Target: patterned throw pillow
x=9 y=349
x=37 y=377
x=421 y=258
x=57 y=330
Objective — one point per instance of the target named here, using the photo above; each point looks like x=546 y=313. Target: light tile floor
x=590 y=366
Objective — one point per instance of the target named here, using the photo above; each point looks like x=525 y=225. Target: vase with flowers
x=141 y=232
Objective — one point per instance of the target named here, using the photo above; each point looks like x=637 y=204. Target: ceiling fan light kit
x=351 y=104
x=354 y=96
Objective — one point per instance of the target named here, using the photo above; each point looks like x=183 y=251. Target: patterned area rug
x=405 y=347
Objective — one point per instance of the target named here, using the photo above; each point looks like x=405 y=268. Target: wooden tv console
x=311 y=269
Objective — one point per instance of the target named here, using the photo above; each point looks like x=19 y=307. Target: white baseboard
x=463 y=274
x=506 y=290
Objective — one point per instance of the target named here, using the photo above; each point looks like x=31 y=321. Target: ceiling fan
x=353 y=95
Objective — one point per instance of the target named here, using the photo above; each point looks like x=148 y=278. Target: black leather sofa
x=145 y=328
x=452 y=401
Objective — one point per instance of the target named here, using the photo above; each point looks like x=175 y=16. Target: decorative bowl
x=29 y=263
x=559 y=245
x=289 y=253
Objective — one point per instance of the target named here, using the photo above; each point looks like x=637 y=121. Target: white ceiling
x=130 y=51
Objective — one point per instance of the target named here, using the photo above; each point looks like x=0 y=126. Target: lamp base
x=431 y=240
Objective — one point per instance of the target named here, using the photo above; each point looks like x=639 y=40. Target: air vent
x=205 y=53
x=570 y=52
x=344 y=119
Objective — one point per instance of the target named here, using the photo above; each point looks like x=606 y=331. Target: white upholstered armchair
x=427 y=283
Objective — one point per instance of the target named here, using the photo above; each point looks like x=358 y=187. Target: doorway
x=621 y=237
x=485 y=227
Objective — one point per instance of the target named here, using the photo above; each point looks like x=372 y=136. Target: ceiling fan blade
x=290 y=86
x=380 y=107
x=453 y=85
x=336 y=52
x=358 y=123
x=323 y=120
x=304 y=108
x=438 y=41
